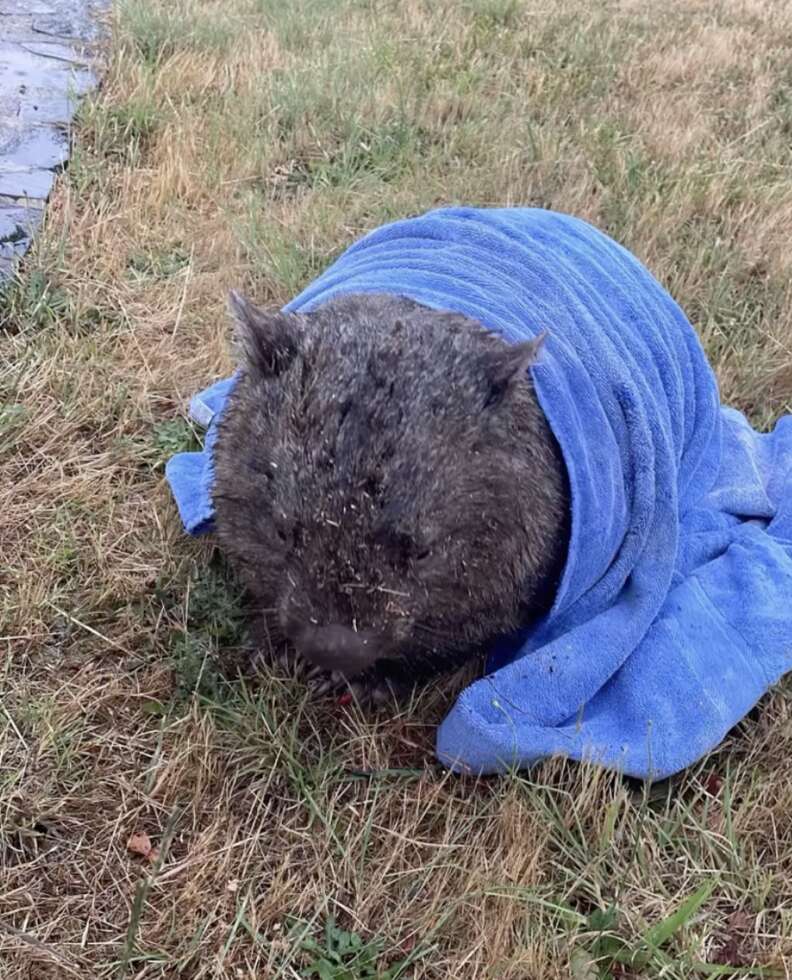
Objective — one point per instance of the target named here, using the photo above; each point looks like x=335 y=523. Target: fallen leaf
x=730 y=953
x=141 y=844
x=713 y=783
x=740 y=921
x=734 y=949
x=716 y=819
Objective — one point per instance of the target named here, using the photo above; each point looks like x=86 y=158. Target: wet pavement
x=44 y=69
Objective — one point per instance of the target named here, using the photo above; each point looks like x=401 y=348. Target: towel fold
x=674 y=612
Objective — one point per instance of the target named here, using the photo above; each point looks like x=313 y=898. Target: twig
x=12 y=723
x=90 y=629
x=187 y=277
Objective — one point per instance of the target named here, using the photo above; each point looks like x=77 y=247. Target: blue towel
x=674 y=613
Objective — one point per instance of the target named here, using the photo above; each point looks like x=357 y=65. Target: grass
x=245 y=144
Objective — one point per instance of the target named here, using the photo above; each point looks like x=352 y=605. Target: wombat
x=387 y=485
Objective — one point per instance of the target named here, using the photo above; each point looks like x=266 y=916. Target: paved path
x=43 y=71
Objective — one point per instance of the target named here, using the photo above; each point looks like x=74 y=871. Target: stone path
x=44 y=69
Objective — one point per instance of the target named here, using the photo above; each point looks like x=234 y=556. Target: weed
x=174 y=436
x=342 y=955
x=32 y=302
x=159 y=32
x=12 y=417
x=214 y=622
x=125 y=133
x=215 y=603
x=195 y=668
x=158 y=263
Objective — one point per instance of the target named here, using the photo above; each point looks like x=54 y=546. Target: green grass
x=161 y=32
x=33 y=300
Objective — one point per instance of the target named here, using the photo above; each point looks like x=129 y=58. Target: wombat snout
x=338 y=647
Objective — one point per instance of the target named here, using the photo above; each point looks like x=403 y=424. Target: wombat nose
x=337 y=648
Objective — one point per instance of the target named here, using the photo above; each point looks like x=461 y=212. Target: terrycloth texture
x=191 y=475
x=674 y=614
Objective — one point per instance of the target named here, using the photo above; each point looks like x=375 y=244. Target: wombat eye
x=422 y=555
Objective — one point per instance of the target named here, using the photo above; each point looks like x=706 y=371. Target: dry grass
x=246 y=143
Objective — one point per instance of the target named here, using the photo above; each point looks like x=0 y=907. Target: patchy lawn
x=245 y=143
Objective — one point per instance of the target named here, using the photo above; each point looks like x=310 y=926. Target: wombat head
x=387 y=483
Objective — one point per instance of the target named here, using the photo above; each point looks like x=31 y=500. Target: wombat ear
x=510 y=363
x=268 y=340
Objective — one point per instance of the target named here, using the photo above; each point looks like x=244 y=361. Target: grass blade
x=660 y=934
